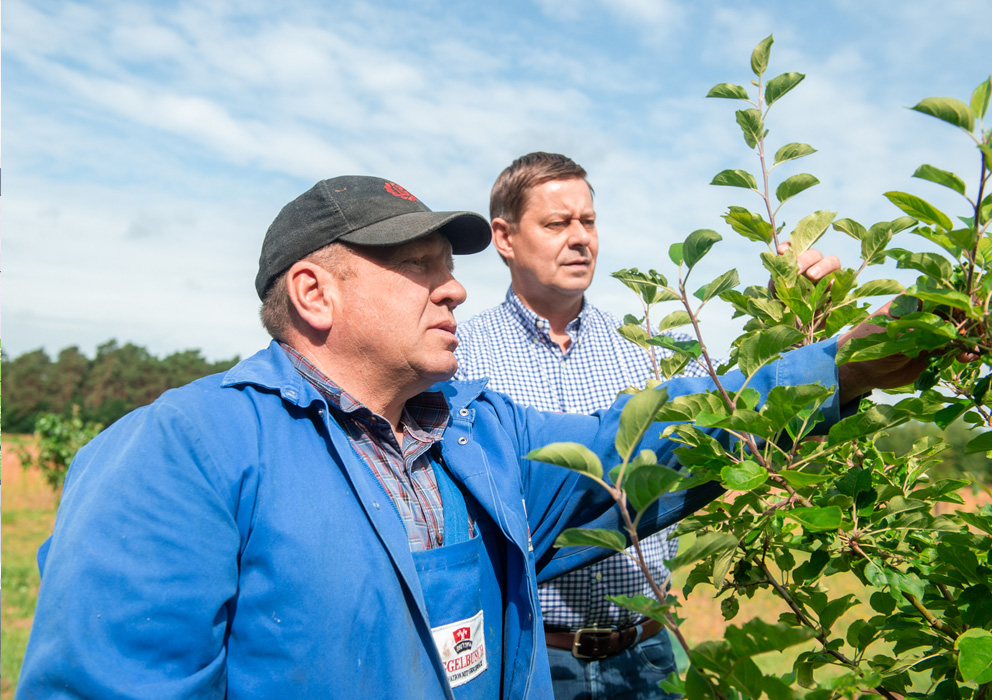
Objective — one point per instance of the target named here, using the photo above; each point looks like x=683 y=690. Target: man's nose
x=579 y=235
x=449 y=293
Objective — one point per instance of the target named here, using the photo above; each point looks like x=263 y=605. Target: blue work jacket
x=227 y=541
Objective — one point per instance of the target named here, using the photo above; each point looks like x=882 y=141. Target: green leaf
x=792 y=186
x=948 y=109
x=941 y=177
x=866 y=423
x=982 y=443
x=980 y=98
x=752 y=126
x=728 y=91
x=735 y=178
x=747 y=677
x=689 y=348
x=841 y=317
x=749 y=225
x=817 y=519
x=876 y=288
x=674 y=320
x=835 y=608
x=576 y=537
x=851 y=227
x=649 y=607
x=728 y=280
x=872 y=347
x=975 y=655
x=635 y=334
x=760 y=348
x=757 y=637
x=948 y=297
x=797 y=479
x=919 y=209
x=643 y=458
x=932 y=264
x=743 y=476
x=809 y=230
x=784 y=402
x=704 y=546
x=781 y=84
x=791 y=151
x=759 y=57
x=648 y=483
x=698 y=244
x=950 y=413
x=651 y=286
x=675 y=253
x=687 y=407
x=570 y=455
x=635 y=419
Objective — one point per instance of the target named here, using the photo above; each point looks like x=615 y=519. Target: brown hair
x=509 y=193
x=277 y=312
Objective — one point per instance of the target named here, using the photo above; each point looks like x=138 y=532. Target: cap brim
x=468 y=232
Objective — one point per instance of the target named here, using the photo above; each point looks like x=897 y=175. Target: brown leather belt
x=598 y=642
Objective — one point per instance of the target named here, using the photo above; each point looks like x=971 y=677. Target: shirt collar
x=535 y=325
x=424 y=416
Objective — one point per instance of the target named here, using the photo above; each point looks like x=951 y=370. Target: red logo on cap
x=397 y=191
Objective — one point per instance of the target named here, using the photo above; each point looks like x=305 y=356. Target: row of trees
x=117 y=380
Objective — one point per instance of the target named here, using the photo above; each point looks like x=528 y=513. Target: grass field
x=28 y=514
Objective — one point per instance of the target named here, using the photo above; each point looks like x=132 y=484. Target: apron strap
x=456 y=523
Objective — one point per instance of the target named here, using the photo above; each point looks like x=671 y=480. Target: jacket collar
x=271 y=370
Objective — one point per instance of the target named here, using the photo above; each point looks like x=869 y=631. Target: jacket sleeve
x=558 y=499
x=142 y=567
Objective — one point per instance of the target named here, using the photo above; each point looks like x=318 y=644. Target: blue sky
x=147 y=146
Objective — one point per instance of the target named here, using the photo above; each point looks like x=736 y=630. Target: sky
x=147 y=146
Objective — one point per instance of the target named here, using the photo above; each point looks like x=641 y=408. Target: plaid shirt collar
x=424 y=416
x=541 y=327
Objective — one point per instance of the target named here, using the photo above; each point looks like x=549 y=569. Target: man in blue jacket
x=332 y=517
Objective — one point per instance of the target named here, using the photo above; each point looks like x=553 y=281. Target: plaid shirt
x=512 y=346
x=405 y=473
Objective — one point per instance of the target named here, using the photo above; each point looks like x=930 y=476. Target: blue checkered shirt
x=512 y=346
x=405 y=473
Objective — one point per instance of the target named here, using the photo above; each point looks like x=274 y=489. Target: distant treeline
x=119 y=379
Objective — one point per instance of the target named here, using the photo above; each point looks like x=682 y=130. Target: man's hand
x=812 y=263
x=858 y=378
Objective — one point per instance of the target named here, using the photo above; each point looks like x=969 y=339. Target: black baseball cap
x=361 y=210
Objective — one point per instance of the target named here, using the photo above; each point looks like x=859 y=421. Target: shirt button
x=463 y=441
x=599 y=576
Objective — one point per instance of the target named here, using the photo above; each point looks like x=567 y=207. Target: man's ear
x=503 y=238
x=311 y=292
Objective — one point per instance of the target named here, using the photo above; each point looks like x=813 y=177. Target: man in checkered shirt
x=548 y=347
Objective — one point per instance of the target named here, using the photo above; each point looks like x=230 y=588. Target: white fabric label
x=463 y=649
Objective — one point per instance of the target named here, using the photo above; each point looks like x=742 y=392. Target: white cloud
x=149 y=146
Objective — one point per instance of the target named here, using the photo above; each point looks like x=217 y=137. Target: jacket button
x=463 y=412
x=463 y=441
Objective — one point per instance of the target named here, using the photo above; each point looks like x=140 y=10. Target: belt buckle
x=588 y=630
